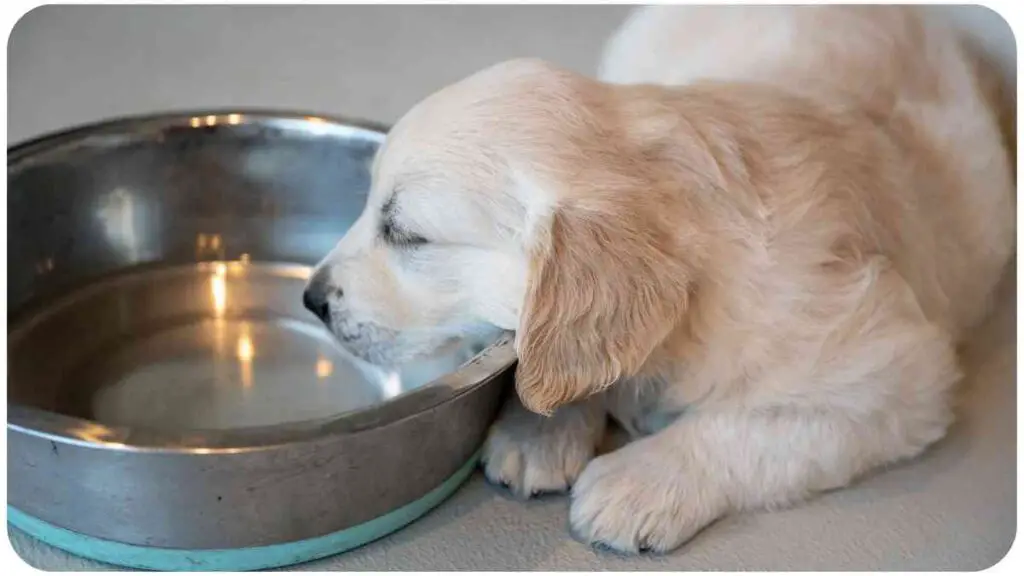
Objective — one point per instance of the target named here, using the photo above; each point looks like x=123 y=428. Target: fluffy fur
x=755 y=244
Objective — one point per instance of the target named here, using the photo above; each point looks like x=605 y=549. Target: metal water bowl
x=171 y=404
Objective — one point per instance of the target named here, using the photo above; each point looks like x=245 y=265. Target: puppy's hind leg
x=534 y=454
x=879 y=393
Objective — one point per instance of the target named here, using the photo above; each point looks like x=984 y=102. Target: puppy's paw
x=533 y=454
x=637 y=500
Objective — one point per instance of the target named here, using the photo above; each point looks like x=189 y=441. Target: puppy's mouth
x=382 y=346
x=390 y=349
x=368 y=342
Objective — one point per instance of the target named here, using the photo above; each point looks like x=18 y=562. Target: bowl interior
x=156 y=268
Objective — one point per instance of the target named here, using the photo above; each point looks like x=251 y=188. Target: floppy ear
x=605 y=288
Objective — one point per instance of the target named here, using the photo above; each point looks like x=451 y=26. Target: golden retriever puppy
x=754 y=245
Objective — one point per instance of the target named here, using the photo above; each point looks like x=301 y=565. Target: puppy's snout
x=314 y=298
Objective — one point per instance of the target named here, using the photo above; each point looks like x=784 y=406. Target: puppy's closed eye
x=393 y=233
x=398 y=236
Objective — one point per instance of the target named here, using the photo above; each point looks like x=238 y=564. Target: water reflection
x=245 y=352
x=324 y=367
x=392 y=385
x=251 y=356
x=219 y=289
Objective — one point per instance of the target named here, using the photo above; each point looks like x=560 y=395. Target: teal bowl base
x=238 y=559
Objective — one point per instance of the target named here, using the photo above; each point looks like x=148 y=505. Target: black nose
x=315 y=300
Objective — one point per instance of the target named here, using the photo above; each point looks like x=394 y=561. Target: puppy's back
x=905 y=69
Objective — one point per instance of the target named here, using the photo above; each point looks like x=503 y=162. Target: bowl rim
x=490 y=364
x=183 y=118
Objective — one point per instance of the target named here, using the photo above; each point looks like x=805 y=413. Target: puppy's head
x=507 y=202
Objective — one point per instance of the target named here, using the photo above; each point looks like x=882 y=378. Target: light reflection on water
x=222 y=370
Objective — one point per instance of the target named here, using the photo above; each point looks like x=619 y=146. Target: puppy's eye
x=398 y=237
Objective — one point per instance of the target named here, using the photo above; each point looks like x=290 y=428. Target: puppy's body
x=864 y=132
x=884 y=69
x=822 y=203
x=760 y=270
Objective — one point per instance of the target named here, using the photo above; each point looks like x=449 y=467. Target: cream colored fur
x=755 y=244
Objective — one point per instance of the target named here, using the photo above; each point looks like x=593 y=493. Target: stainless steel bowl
x=167 y=390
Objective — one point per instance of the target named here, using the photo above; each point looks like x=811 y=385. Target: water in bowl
x=215 y=345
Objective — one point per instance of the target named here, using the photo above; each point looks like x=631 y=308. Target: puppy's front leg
x=534 y=454
x=657 y=492
x=878 y=392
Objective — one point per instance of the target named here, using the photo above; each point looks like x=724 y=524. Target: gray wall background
x=69 y=65
x=74 y=64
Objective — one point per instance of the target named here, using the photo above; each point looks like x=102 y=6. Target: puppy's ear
x=604 y=290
